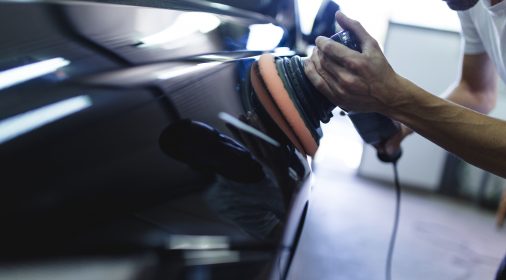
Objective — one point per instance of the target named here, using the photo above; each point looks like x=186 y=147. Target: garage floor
x=350 y=220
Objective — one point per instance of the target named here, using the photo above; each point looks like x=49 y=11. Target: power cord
x=388 y=270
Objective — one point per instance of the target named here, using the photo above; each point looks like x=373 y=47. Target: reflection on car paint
x=27 y=72
x=93 y=178
x=182 y=70
x=264 y=36
x=185 y=25
x=257 y=208
x=15 y=126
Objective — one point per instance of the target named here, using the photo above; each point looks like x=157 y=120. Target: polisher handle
x=376 y=129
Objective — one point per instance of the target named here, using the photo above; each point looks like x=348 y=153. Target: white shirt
x=483 y=29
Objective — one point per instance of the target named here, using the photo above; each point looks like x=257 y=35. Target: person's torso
x=490 y=23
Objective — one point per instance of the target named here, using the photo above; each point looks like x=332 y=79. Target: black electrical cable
x=388 y=270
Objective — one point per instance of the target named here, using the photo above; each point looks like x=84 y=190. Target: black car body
x=90 y=178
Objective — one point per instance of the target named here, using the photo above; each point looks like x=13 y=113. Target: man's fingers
x=334 y=50
x=344 y=79
x=323 y=81
x=340 y=74
x=316 y=79
x=354 y=26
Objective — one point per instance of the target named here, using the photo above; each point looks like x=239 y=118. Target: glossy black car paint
x=96 y=186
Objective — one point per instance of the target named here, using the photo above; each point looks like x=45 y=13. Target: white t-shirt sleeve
x=472 y=40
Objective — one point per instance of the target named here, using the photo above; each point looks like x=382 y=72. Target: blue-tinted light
x=20 y=124
x=25 y=73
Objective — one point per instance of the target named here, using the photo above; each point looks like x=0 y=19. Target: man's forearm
x=478 y=139
x=459 y=95
x=483 y=103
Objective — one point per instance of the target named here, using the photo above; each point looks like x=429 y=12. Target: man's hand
x=392 y=145
x=366 y=82
x=361 y=82
x=356 y=81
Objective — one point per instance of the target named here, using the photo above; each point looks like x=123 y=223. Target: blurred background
x=421 y=40
x=448 y=228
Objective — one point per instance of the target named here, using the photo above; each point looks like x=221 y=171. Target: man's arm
x=477 y=87
x=476 y=138
x=366 y=82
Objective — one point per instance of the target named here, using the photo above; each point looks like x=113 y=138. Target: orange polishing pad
x=276 y=90
x=268 y=103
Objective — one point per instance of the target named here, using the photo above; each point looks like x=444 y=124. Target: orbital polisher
x=297 y=108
